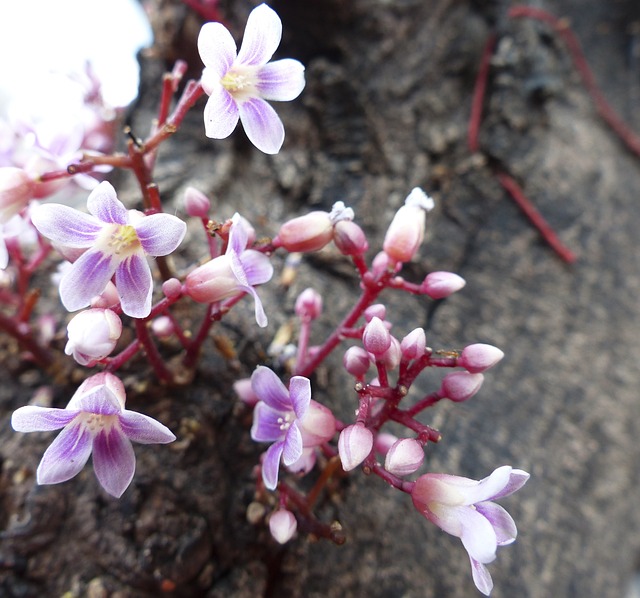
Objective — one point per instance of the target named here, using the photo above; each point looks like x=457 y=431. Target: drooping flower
x=288 y=418
x=238 y=84
x=94 y=420
x=235 y=272
x=116 y=241
x=462 y=507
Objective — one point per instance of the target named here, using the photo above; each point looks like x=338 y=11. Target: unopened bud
x=282 y=525
x=460 y=386
x=306 y=233
x=317 y=426
x=196 y=203
x=479 y=357
x=108 y=298
x=93 y=334
x=414 y=345
x=172 y=288
x=349 y=238
x=384 y=441
x=244 y=389
x=213 y=281
x=391 y=357
x=376 y=338
x=354 y=445
x=404 y=457
x=356 y=361
x=308 y=304
x=439 y=285
x=377 y=310
x=163 y=327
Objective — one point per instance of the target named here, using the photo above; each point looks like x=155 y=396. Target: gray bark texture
x=386 y=107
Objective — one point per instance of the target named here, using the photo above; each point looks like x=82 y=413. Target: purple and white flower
x=235 y=272
x=276 y=417
x=95 y=420
x=239 y=83
x=462 y=507
x=115 y=241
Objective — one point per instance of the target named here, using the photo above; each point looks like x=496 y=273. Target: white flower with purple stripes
x=116 y=242
x=94 y=420
x=238 y=84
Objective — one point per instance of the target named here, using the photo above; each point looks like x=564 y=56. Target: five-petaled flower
x=116 y=242
x=461 y=507
x=95 y=419
x=235 y=272
x=238 y=84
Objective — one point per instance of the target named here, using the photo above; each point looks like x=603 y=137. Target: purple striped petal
x=490 y=487
x=257 y=267
x=66 y=226
x=160 y=234
x=144 y=429
x=292 y=449
x=481 y=577
x=66 y=455
x=478 y=536
x=262 y=125
x=104 y=204
x=517 y=479
x=113 y=460
x=267 y=423
x=281 y=81
x=300 y=395
x=217 y=49
x=134 y=284
x=40 y=419
x=99 y=400
x=503 y=524
x=220 y=114
x=87 y=277
x=238 y=236
x=270 y=389
x=271 y=465
x=260 y=315
x=262 y=36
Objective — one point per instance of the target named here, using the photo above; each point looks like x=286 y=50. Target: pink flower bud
x=439 y=285
x=317 y=426
x=404 y=457
x=414 y=345
x=244 y=390
x=382 y=263
x=306 y=233
x=93 y=334
x=391 y=357
x=377 y=310
x=384 y=441
x=213 y=281
x=460 y=386
x=196 y=203
x=354 y=445
x=282 y=525
x=172 y=288
x=162 y=327
x=406 y=231
x=349 y=238
x=305 y=463
x=308 y=304
x=108 y=298
x=356 y=361
x=16 y=189
x=479 y=357
x=376 y=338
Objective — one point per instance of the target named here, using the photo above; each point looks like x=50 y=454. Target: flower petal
x=300 y=395
x=490 y=487
x=271 y=465
x=481 y=577
x=292 y=449
x=238 y=236
x=262 y=36
x=281 y=81
x=160 y=234
x=270 y=389
x=261 y=317
x=478 y=536
x=220 y=114
x=113 y=461
x=86 y=278
x=257 y=267
x=99 y=400
x=4 y=253
x=40 y=419
x=262 y=125
x=134 y=284
x=503 y=524
x=104 y=204
x=217 y=48
x=66 y=456
x=267 y=423
x=66 y=226
x=517 y=479
x=144 y=429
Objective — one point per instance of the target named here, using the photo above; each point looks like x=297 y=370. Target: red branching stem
x=191 y=356
x=425 y=433
x=152 y=353
x=479 y=92
x=116 y=362
x=391 y=479
x=207 y=9
x=23 y=334
x=422 y=404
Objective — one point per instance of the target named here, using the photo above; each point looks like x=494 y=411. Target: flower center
x=95 y=422
x=286 y=421
x=123 y=239
x=240 y=83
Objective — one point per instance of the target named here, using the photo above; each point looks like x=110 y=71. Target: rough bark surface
x=386 y=108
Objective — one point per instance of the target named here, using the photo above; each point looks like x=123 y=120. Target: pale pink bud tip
x=460 y=386
x=376 y=338
x=356 y=361
x=439 y=285
x=282 y=525
x=384 y=441
x=404 y=457
x=163 y=327
x=414 y=345
x=306 y=233
x=244 y=390
x=377 y=310
x=354 y=445
x=349 y=238
x=479 y=357
x=309 y=304
x=172 y=288
x=196 y=203
x=317 y=426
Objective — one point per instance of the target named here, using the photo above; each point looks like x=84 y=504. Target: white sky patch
x=38 y=37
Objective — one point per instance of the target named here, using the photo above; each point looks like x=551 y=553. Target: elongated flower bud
x=213 y=281
x=404 y=457
x=356 y=361
x=354 y=445
x=305 y=233
x=196 y=203
x=479 y=357
x=414 y=345
x=282 y=525
x=439 y=285
x=309 y=304
x=376 y=338
x=349 y=238
x=460 y=386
